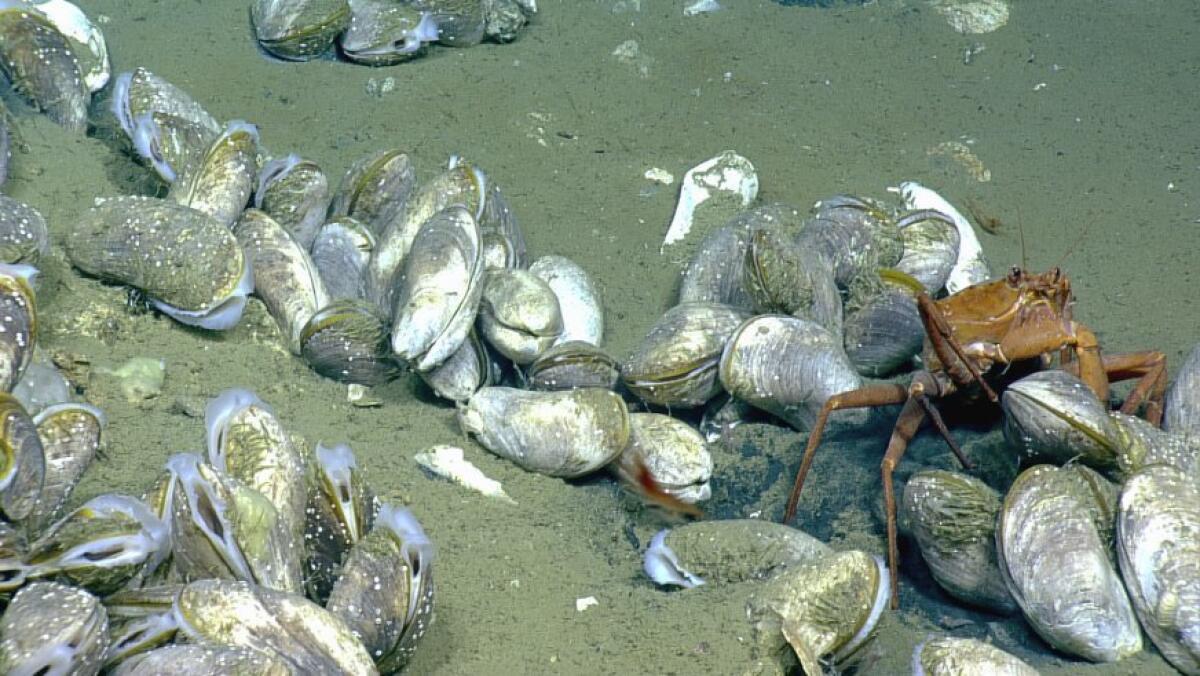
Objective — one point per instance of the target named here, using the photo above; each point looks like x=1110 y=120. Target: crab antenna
x=1082 y=234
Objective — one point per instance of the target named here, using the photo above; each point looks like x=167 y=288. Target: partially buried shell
x=298 y=30
x=883 y=332
x=728 y=551
x=190 y=659
x=438 y=290
x=786 y=366
x=188 y=263
x=950 y=656
x=385 y=592
x=220 y=182
x=347 y=340
x=564 y=434
x=676 y=363
x=1158 y=547
x=1053 y=415
x=285 y=277
x=573 y=364
x=310 y=639
x=41 y=65
x=674 y=453
x=23 y=235
x=578 y=298
x=930 y=247
x=1181 y=411
x=18 y=322
x=1056 y=564
x=519 y=314
x=295 y=192
x=71 y=436
x=825 y=609
x=51 y=628
x=341 y=250
x=22 y=460
x=383 y=33
x=953 y=517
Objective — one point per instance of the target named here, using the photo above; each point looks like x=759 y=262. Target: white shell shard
x=728 y=173
x=75 y=25
x=971 y=267
x=663 y=566
x=973 y=17
x=448 y=462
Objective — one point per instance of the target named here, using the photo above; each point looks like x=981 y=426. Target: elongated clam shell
x=341 y=510
x=298 y=30
x=884 y=332
x=578 y=299
x=309 y=638
x=674 y=453
x=519 y=314
x=728 y=551
x=285 y=277
x=786 y=366
x=22 y=461
x=384 y=33
x=203 y=522
x=220 y=182
x=676 y=363
x=347 y=340
x=41 y=65
x=950 y=656
x=51 y=628
x=18 y=322
x=71 y=436
x=1181 y=412
x=165 y=125
x=1056 y=565
x=23 y=234
x=855 y=236
x=187 y=262
x=1158 y=547
x=1053 y=415
x=783 y=276
x=460 y=23
x=564 y=434
x=438 y=290
x=953 y=517
x=295 y=192
x=1141 y=444
x=85 y=38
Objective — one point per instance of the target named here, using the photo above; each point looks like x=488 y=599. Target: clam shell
x=883 y=333
x=285 y=277
x=347 y=340
x=1056 y=565
x=139 y=92
x=786 y=366
x=953 y=517
x=310 y=639
x=375 y=190
x=187 y=262
x=298 y=30
x=728 y=551
x=39 y=62
x=854 y=236
x=676 y=363
x=571 y=365
x=18 y=322
x=460 y=23
x=294 y=192
x=578 y=298
x=1181 y=412
x=42 y=385
x=341 y=509
x=383 y=33
x=468 y=369
x=675 y=454
x=1141 y=444
x=1053 y=415
x=22 y=461
x=930 y=242
x=341 y=250
x=23 y=234
x=438 y=290
x=782 y=276
x=519 y=314
x=950 y=656
x=71 y=436
x=51 y=628
x=220 y=182
x=824 y=609
x=563 y=434
x=190 y=659
x=1158 y=547
x=86 y=39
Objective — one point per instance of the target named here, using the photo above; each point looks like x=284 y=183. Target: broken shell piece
x=729 y=174
x=971 y=267
x=448 y=463
x=974 y=16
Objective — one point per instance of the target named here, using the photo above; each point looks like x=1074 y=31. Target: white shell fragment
x=971 y=267
x=974 y=16
x=728 y=173
x=448 y=463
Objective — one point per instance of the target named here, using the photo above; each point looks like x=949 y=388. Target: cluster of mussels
x=382 y=32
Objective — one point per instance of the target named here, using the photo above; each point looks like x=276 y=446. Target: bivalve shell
x=298 y=30
x=519 y=314
x=375 y=190
x=40 y=63
x=23 y=234
x=295 y=192
x=674 y=453
x=468 y=369
x=728 y=551
x=782 y=276
x=884 y=332
x=341 y=250
x=220 y=182
x=930 y=241
x=573 y=364
x=578 y=298
x=347 y=340
x=1181 y=412
x=1053 y=415
x=71 y=436
x=18 y=322
x=950 y=656
x=51 y=628
x=22 y=461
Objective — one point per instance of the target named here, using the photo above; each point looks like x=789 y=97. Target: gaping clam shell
x=347 y=340
x=519 y=314
x=674 y=453
x=220 y=182
x=188 y=263
x=1056 y=564
x=784 y=277
x=930 y=247
x=341 y=250
x=1181 y=412
x=285 y=277
x=18 y=322
x=51 y=628
x=1158 y=547
x=460 y=23
x=166 y=126
x=564 y=434
x=341 y=510
x=884 y=332
x=578 y=298
x=786 y=366
x=950 y=656
x=295 y=192
x=383 y=33
x=41 y=65
x=71 y=436
x=23 y=234
x=727 y=551
x=385 y=591
x=310 y=639
x=953 y=517
x=676 y=363
x=1053 y=415
x=825 y=609
x=22 y=461
x=298 y=30
x=438 y=289
x=573 y=364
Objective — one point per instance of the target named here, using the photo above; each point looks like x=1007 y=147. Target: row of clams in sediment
x=382 y=32
x=262 y=555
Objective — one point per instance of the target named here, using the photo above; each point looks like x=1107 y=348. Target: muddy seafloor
x=1083 y=111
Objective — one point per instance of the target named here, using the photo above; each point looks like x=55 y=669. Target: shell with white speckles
x=41 y=65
